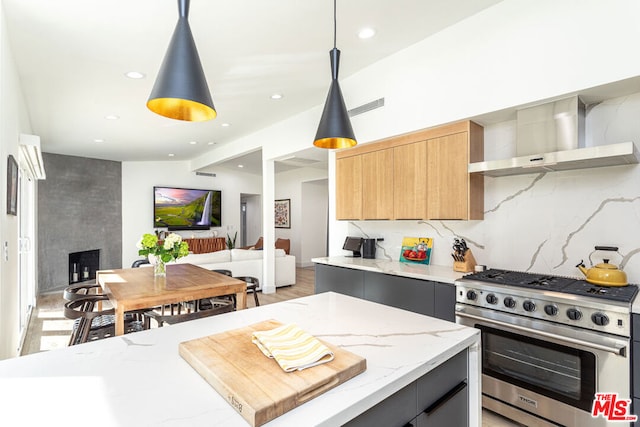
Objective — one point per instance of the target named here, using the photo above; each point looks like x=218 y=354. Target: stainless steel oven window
x=563 y=373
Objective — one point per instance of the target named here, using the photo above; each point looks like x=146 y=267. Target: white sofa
x=246 y=262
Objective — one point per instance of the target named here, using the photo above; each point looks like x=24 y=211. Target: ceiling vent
x=213 y=175
x=366 y=107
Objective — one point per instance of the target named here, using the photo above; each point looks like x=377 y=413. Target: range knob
x=492 y=299
x=472 y=295
x=600 y=319
x=529 y=305
x=551 y=309
x=574 y=314
x=509 y=302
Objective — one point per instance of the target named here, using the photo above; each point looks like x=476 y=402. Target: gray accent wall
x=79 y=209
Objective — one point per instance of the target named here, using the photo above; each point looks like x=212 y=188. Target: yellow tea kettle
x=604 y=274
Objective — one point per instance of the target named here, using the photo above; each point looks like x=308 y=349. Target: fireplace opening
x=83 y=265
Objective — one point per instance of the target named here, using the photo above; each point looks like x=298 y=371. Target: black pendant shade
x=334 y=130
x=181 y=91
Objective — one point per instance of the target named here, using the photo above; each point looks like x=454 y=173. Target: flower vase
x=159 y=268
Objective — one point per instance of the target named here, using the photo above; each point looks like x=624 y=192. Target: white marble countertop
x=140 y=379
x=437 y=273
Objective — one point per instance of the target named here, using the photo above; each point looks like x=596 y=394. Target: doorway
x=26 y=251
x=250 y=218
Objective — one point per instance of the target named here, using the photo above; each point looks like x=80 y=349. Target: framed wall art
x=12 y=186
x=283 y=213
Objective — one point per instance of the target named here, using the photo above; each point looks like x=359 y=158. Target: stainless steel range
x=549 y=344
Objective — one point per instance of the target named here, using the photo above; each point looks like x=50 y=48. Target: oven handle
x=620 y=351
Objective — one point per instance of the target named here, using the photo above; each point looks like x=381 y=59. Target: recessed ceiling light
x=276 y=96
x=98 y=140
x=193 y=142
x=366 y=33
x=112 y=117
x=210 y=143
x=135 y=75
x=240 y=166
x=171 y=154
x=225 y=125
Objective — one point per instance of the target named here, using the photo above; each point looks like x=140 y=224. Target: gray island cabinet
x=409 y=287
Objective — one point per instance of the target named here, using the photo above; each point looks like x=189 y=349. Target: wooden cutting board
x=255 y=385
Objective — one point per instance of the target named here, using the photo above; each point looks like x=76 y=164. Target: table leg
x=119 y=321
x=241 y=300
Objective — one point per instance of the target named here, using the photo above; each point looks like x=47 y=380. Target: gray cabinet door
x=445 y=297
x=346 y=281
x=450 y=413
x=395 y=411
x=443 y=394
x=401 y=292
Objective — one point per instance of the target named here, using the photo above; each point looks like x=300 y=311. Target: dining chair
x=81 y=290
x=217 y=307
x=252 y=286
x=137 y=263
x=91 y=324
x=206 y=303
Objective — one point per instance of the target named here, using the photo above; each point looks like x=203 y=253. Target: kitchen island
x=140 y=379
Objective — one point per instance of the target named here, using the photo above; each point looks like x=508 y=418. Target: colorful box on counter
x=416 y=250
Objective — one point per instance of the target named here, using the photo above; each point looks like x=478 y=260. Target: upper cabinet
x=377 y=184
x=420 y=175
x=410 y=178
x=453 y=192
x=349 y=181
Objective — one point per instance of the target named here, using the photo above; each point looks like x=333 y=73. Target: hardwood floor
x=49 y=329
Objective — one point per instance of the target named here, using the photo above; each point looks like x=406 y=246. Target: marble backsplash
x=543 y=222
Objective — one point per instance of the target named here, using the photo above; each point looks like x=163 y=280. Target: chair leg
x=255 y=297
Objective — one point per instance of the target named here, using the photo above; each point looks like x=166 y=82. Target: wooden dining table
x=137 y=288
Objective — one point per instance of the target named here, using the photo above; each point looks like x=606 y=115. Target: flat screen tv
x=186 y=208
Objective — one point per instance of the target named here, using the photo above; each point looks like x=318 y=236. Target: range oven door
x=546 y=369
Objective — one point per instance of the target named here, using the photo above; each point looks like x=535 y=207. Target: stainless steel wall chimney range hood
x=550 y=137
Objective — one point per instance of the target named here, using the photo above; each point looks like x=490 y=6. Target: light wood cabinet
x=349 y=183
x=453 y=192
x=410 y=181
x=377 y=185
x=419 y=175
x=447 y=177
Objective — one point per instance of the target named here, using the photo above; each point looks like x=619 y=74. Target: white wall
x=138 y=180
x=13 y=121
x=315 y=205
x=306 y=211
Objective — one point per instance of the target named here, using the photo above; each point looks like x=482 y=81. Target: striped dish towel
x=293 y=348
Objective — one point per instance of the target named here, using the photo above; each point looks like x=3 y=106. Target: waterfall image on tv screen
x=183 y=208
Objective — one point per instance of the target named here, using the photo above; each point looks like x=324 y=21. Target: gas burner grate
x=615 y=293
x=554 y=283
x=520 y=278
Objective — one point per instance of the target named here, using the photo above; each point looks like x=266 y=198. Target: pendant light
x=181 y=91
x=334 y=130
